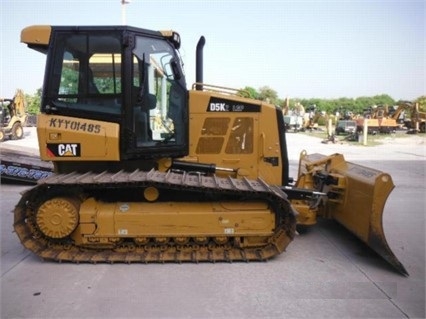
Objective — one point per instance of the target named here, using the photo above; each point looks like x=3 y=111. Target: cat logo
x=67 y=149
x=63 y=150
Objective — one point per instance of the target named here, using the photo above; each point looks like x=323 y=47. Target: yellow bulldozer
x=13 y=116
x=149 y=171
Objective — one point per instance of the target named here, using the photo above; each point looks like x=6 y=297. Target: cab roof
x=38 y=36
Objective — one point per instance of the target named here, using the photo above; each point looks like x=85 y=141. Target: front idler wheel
x=58 y=217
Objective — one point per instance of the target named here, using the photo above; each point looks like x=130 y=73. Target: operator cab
x=125 y=75
x=5 y=112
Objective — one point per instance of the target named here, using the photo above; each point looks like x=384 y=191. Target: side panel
x=64 y=138
x=235 y=133
x=130 y=219
x=272 y=161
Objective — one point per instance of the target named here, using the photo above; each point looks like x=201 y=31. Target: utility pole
x=123 y=11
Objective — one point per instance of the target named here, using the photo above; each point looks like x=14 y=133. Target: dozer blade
x=356 y=196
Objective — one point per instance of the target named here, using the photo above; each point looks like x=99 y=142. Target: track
x=189 y=189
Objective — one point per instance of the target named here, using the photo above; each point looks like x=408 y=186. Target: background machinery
x=414 y=117
x=418 y=119
x=13 y=116
x=148 y=171
x=345 y=127
x=294 y=119
x=379 y=120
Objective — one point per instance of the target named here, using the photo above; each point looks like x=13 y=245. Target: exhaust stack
x=199 y=63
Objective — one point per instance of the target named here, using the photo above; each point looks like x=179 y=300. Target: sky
x=301 y=49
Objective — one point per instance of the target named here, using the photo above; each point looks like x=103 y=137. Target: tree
x=33 y=102
x=383 y=99
x=268 y=94
x=248 y=92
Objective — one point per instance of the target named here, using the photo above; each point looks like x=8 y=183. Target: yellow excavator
x=416 y=119
x=149 y=171
x=13 y=116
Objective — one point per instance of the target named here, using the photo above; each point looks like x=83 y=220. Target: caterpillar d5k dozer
x=147 y=171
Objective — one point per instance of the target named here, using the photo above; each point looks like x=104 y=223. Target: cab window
x=87 y=73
